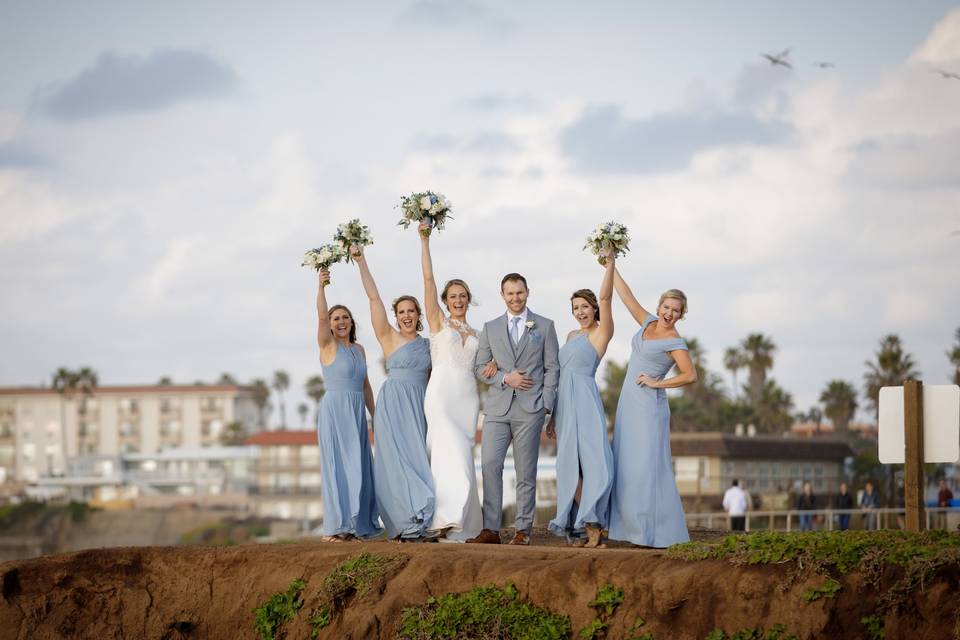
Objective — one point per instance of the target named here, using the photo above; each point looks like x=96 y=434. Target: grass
x=354 y=577
x=776 y=632
x=280 y=608
x=483 y=613
x=607 y=600
x=827 y=590
x=842 y=550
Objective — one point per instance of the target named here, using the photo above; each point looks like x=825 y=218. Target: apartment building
x=39 y=426
x=286 y=475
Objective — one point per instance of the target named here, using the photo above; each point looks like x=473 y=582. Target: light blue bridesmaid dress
x=346 y=473
x=582 y=445
x=401 y=468
x=645 y=505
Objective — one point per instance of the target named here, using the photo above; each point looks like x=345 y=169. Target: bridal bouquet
x=352 y=233
x=432 y=208
x=322 y=257
x=605 y=236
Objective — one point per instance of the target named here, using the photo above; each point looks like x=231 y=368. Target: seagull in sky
x=824 y=65
x=779 y=58
x=947 y=75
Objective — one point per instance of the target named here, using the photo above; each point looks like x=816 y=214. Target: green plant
x=475 y=613
x=278 y=609
x=716 y=634
x=746 y=634
x=779 y=632
x=827 y=590
x=353 y=577
x=873 y=625
x=319 y=620
x=607 y=600
x=635 y=630
x=596 y=629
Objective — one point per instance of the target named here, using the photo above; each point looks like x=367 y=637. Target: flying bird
x=779 y=58
x=824 y=65
x=947 y=75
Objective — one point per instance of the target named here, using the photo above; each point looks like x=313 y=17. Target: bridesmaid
x=645 y=504
x=401 y=470
x=584 y=458
x=349 y=506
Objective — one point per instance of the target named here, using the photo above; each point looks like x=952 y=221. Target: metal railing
x=822 y=519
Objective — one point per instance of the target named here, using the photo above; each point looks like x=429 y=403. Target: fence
x=827 y=519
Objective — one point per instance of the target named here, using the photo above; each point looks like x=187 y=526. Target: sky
x=163 y=167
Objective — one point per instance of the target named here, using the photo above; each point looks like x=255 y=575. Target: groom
x=521 y=394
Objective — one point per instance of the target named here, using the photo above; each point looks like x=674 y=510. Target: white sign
x=941 y=424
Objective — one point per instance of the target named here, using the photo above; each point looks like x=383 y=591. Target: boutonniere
x=529 y=324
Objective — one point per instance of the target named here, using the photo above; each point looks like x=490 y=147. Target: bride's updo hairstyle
x=353 y=325
x=416 y=305
x=452 y=282
x=591 y=299
x=676 y=294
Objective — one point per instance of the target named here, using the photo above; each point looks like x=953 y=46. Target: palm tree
x=954 y=356
x=233 y=434
x=303 y=409
x=227 y=379
x=733 y=360
x=839 y=400
x=315 y=391
x=65 y=383
x=261 y=395
x=773 y=410
x=281 y=382
x=892 y=367
x=759 y=350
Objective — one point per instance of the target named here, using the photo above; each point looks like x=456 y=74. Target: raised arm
x=378 y=313
x=601 y=338
x=324 y=336
x=431 y=300
x=626 y=295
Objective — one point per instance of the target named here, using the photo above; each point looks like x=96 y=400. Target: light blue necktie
x=515 y=335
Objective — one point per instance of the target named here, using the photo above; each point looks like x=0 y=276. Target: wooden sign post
x=913 y=482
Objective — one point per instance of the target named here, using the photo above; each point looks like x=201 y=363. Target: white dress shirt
x=523 y=324
x=735 y=501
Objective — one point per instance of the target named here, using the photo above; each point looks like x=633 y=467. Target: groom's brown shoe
x=520 y=538
x=485 y=537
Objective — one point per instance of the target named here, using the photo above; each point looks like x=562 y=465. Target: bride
x=451 y=404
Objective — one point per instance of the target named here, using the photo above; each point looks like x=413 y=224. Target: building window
x=169 y=428
x=210 y=404
x=310 y=456
x=169 y=405
x=129 y=405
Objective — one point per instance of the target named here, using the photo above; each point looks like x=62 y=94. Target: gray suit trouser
x=523 y=429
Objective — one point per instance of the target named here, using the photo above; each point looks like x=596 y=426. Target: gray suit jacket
x=536 y=354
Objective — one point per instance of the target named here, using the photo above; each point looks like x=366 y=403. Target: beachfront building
x=285 y=482
x=197 y=476
x=769 y=467
x=113 y=420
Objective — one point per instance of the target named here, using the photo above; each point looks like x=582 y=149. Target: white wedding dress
x=451 y=406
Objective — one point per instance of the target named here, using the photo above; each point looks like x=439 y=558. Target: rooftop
x=132 y=389
x=727 y=445
x=284 y=438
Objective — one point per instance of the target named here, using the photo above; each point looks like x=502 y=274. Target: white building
x=113 y=420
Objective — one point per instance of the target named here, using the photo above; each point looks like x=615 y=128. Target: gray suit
x=515 y=415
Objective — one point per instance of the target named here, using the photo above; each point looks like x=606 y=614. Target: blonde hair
x=450 y=283
x=676 y=294
x=416 y=305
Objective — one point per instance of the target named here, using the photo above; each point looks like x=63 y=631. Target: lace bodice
x=448 y=348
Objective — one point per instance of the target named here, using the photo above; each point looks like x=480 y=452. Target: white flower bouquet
x=432 y=208
x=323 y=257
x=605 y=236
x=352 y=233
